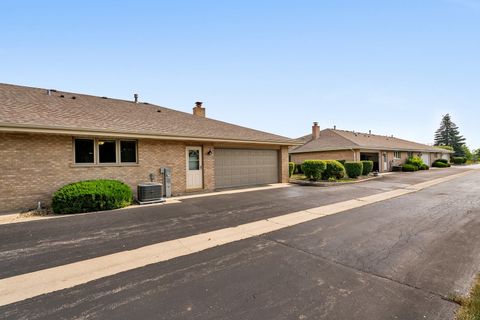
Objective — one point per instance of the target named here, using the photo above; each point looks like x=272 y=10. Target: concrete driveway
x=396 y=259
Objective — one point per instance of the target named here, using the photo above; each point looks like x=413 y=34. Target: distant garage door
x=245 y=167
x=426 y=158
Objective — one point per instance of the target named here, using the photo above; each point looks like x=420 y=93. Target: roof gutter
x=105 y=133
x=378 y=149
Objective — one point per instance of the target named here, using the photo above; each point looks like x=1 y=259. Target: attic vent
x=62 y=96
x=74 y=97
x=145 y=103
x=104 y=98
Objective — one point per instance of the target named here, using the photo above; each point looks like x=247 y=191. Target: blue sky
x=393 y=67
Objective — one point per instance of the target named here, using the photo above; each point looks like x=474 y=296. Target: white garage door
x=426 y=158
x=245 y=167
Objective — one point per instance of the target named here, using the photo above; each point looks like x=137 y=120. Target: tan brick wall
x=32 y=167
x=347 y=155
x=283 y=164
x=208 y=167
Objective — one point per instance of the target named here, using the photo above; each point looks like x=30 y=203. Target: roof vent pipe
x=135 y=97
x=49 y=92
x=334 y=127
x=369 y=131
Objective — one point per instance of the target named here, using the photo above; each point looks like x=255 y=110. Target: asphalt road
x=397 y=259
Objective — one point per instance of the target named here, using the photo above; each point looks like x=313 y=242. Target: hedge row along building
x=385 y=151
x=50 y=138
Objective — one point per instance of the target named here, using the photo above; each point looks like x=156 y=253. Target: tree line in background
x=448 y=137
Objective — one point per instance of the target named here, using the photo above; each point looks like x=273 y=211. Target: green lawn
x=470 y=306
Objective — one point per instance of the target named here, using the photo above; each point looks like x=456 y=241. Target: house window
x=105 y=151
x=397 y=155
x=84 y=151
x=410 y=154
x=128 y=151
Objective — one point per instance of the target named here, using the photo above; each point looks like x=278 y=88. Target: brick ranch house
x=384 y=151
x=50 y=138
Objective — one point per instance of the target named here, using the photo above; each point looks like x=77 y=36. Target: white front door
x=194 y=168
x=385 y=162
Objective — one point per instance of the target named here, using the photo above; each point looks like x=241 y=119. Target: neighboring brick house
x=384 y=151
x=50 y=138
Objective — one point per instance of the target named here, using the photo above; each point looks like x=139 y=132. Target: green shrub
x=424 y=167
x=416 y=161
x=367 y=167
x=291 y=168
x=342 y=161
x=409 y=168
x=442 y=161
x=92 y=195
x=459 y=160
x=313 y=169
x=438 y=164
x=354 y=169
x=334 y=169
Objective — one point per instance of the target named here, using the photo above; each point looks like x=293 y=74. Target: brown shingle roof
x=330 y=140
x=25 y=107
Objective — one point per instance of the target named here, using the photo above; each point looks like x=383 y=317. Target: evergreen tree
x=448 y=135
x=468 y=153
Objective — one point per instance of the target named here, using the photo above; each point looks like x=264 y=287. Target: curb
x=330 y=184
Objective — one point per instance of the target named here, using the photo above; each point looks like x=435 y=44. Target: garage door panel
x=243 y=167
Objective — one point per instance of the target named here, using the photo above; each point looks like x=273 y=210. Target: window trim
x=399 y=153
x=96 y=153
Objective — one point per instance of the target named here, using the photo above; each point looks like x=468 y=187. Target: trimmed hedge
x=354 y=169
x=459 y=160
x=291 y=168
x=367 y=167
x=313 y=169
x=442 y=161
x=409 y=168
x=334 y=169
x=438 y=164
x=424 y=167
x=415 y=161
x=91 y=195
x=342 y=161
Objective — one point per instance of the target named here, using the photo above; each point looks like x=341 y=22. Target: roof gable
x=331 y=139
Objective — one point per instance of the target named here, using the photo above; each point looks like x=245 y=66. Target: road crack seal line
x=333 y=261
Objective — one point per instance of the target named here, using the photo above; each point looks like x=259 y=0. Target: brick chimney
x=315 y=131
x=198 y=110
